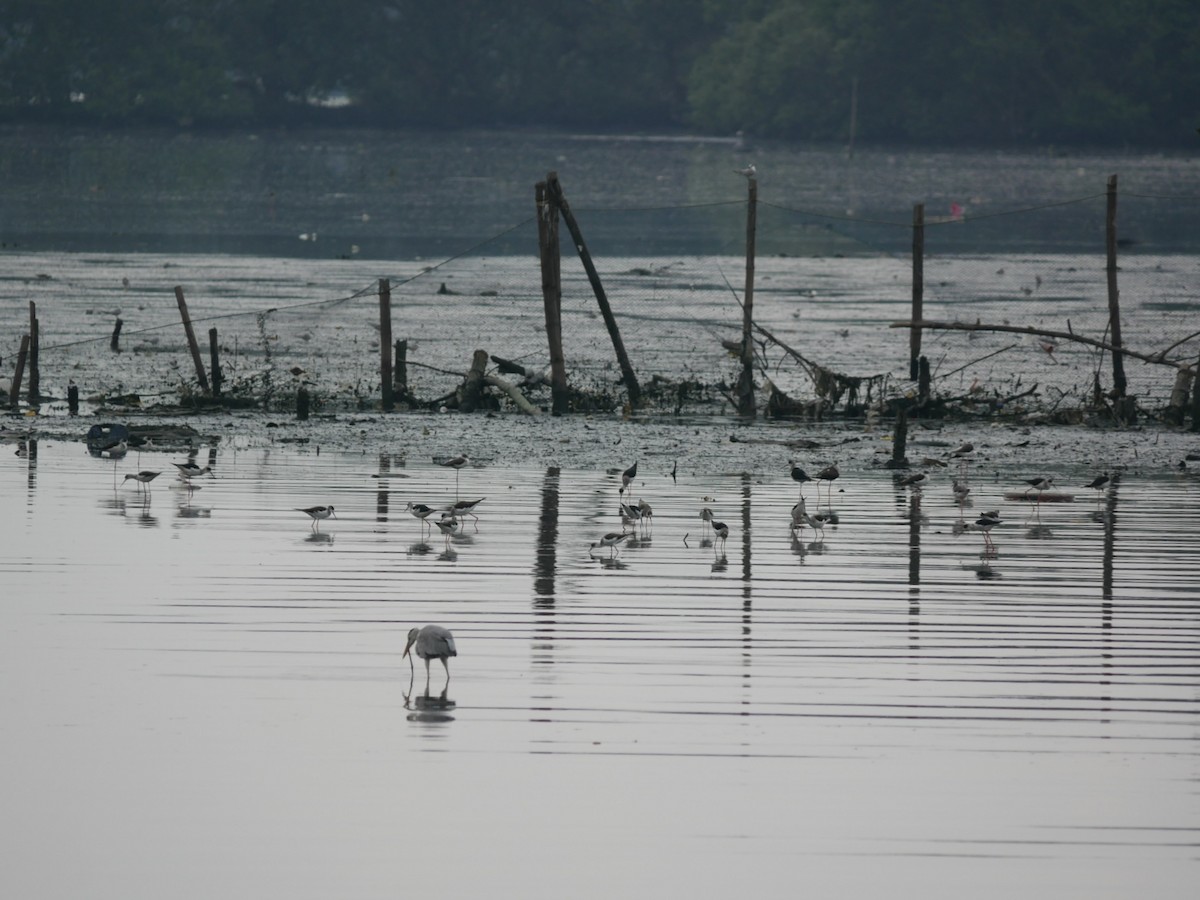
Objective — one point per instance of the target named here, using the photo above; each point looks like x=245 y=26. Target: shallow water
x=204 y=695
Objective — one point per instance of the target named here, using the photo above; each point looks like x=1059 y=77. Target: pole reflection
x=545 y=569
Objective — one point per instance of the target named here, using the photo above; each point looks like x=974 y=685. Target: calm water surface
x=204 y=696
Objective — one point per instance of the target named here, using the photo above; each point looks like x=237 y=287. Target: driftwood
x=515 y=395
x=1155 y=358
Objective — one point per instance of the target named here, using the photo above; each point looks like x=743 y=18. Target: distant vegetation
x=982 y=72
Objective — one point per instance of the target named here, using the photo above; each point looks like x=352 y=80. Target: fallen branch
x=1156 y=359
x=515 y=395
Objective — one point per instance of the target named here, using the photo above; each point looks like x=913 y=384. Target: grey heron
x=431 y=642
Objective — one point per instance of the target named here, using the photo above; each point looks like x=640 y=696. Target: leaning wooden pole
x=1114 y=305
x=385 y=345
x=745 y=385
x=555 y=191
x=548 y=251
x=918 y=290
x=194 y=347
x=14 y=394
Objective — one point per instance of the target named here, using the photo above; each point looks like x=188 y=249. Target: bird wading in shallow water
x=456 y=464
x=420 y=511
x=317 y=513
x=430 y=642
x=627 y=478
x=611 y=541
x=720 y=529
x=828 y=475
x=143 y=479
x=799 y=476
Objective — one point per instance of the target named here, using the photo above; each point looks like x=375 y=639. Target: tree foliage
x=968 y=71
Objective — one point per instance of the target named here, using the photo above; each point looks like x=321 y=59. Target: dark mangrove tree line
x=1111 y=72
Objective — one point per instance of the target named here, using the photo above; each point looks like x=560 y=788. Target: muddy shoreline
x=696 y=445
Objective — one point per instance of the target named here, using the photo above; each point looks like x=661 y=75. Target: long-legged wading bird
x=142 y=478
x=799 y=476
x=467 y=508
x=456 y=464
x=611 y=541
x=448 y=524
x=1099 y=484
x=827 y=475
x=720 y=529
x=627 y=478
x=420 y=511
x=985 y=523
x=317 y=513
x=1039 y=484
x=191 y=470
x=431 y=642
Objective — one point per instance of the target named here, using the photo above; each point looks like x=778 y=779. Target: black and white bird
x=612 y=541
x=317 y=513
x=143 y=478
x=799 y=476
x=828 y=475
x=430 y=642
x=1099 y=483
x=985 y=523
x=801 y=518
x=720 y=529
x=1039 y=484
x=190 y=470
x=456 y=464
x=467 y=508
x=448 y=525
x=420 y=511
x=627 y=478
x=916 y=481
x=747 y=172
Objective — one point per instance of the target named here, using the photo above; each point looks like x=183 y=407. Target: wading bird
x=720 y=529
x=430 y=642
x=799 y=476
x=456 y=464
x=627 y=478
x=610 y=540
x=142 y=478
x=317 y=513
x=420 y=511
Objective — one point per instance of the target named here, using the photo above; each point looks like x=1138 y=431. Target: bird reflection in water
x=319 y=537
x=720 y=564
x=428 y=708
x=419 y=549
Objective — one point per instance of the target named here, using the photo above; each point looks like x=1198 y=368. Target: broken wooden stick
x=1156 y=358
x=515 y=395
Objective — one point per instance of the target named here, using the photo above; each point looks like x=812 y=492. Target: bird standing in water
x=431 y=642
x=720 y=529
x=627 y=478
x=610 y=540
x=799 y=476
x=317 y=513
x=827 y=475
x=143 y=479
x=456 y=464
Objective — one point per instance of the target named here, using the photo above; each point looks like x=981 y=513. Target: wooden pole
x=548 y=251
x=555 y=192
x=1114 y=306
x=191 y=339
x=400 y=371
x=35 y=375
x=472 y=391
x=385 y=344
x=302 y=400
x=923 y=379
x=15 y=393
x=73 y=399
x=899 y=458
x=918 y=290
x=114 y=343
x=745 y=386
x=1196 y=397
x=214 y=357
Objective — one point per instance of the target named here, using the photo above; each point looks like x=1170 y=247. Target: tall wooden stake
x=548 y=251
x=745 y=386
x=555 y=192
x=385 y=344
x=214 y=358
x=191 y=339
x=1114 y=305
x=14 y=393
x=400 y=372
x=918 y=289
x=35 y=374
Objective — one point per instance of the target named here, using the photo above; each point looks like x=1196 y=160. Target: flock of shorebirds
x=435 y=642
x=639 y=514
